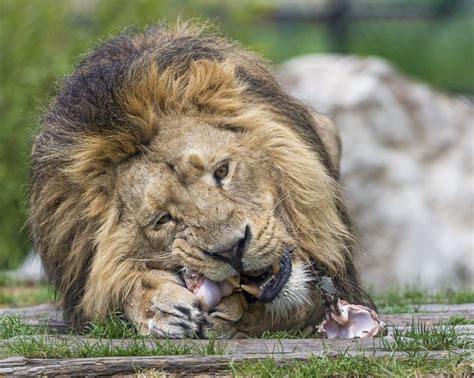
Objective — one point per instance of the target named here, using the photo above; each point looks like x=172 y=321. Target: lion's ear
x=330 y=137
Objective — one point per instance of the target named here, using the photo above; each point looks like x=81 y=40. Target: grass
x=114 y=327
x=17 y=338
x=282 y=335
x=353 y=366
x=423 y=338
x=406 y=299
x=43 y=347
x=459 y=320
x=12 y=326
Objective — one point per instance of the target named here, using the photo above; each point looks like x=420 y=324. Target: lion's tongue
x=210 y=293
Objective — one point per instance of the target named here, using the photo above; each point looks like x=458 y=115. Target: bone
x=351 y=321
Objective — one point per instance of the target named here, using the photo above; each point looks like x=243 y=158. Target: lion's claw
x=189 y=323
x=160 y=306
x=175 y=316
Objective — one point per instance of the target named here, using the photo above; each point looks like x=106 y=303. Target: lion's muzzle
x=233 y=253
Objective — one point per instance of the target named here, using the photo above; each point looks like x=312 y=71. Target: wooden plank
x=445 y=308
x=467 y=329
x=174 y=364
x=51 y=325
x=434 y=318
x=42 y=311
x=242 y=346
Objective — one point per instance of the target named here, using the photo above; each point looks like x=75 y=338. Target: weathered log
x=176 y=364
x=243 y=346
x=42 y=311
x=435 y=318
x=445 y=308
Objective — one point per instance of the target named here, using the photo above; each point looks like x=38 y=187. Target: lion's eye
x=161 y=220
x=221 y=172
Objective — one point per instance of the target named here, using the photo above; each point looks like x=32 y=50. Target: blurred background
x=397 y=76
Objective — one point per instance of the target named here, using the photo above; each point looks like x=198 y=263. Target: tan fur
x=94 y=206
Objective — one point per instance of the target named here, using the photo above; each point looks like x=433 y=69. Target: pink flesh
x=210 y=293
x=354 y=321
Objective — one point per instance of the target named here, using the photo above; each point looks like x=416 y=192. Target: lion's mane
x=109 y=110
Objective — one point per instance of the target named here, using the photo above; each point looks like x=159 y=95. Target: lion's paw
x=166 y=310
x=222 y=320
x=175 y=315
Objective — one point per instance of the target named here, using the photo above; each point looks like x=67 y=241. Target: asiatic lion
x=175 y=148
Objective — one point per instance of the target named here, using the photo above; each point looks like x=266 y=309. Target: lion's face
x=203 y=198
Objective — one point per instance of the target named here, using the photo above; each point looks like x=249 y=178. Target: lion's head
x=175 y=149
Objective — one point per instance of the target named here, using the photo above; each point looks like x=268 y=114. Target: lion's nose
x=233 y=254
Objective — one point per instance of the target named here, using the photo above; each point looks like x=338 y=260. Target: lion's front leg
x=161 y=306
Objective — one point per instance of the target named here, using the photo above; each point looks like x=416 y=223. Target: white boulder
x=407 y=166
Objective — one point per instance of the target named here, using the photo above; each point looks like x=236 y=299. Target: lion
x=174 y=149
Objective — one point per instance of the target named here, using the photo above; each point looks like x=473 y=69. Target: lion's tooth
x=234 y=281
x=276 y=268
x=252 y=289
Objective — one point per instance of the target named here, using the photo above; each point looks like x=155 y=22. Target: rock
x=31 y=270
x=407 y=166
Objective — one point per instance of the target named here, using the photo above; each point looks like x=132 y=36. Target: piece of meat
x=209 y=293
x=347 y=320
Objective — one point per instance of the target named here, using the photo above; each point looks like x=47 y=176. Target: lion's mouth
x=258 y=286
x=264 y=285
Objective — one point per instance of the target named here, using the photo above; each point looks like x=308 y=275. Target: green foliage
x=14 y=293
x=440 y=53
x=25 y=296
x=42 y=40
